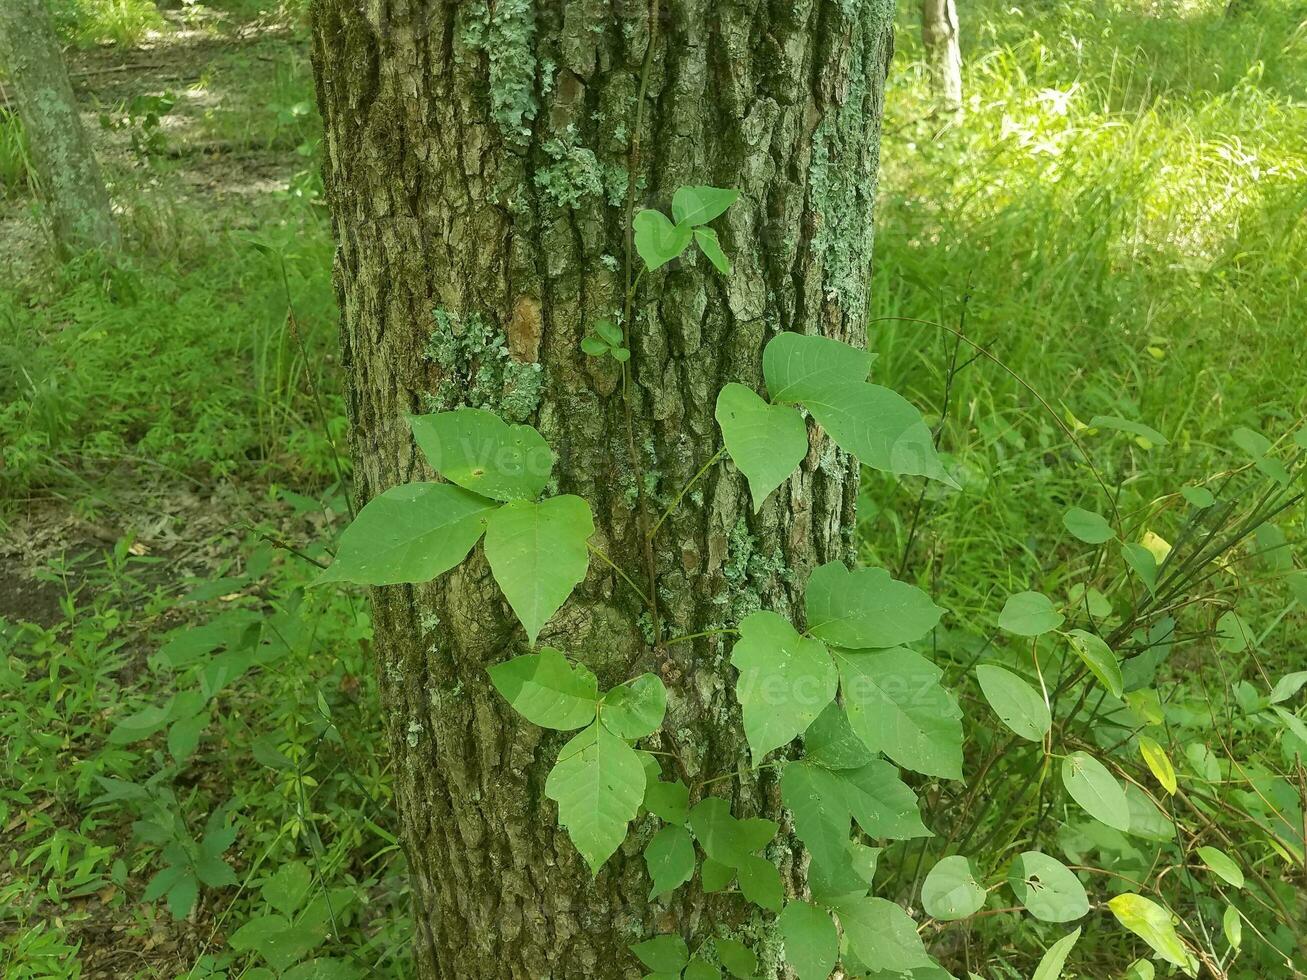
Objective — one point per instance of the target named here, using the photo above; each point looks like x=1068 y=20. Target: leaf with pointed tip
x=1222 y=865
x=1100 y=660
x=739 y=960
x=760 y=882
x=700 y=969
x=711 y=247
x=880 y=932
x=1158 y=762
x=666 y=954
x=724 y=838
x=1052 y=962
x=797 y=366
x=880 y=427
x=1142 y=562
x=668 y=801
x=896 y=705
x=1017 y=704
x=658 y=240
x=715 y=875
x=785 y=681
x=538 y=554
x=1127 y=426
x=410 y=533
x=1232 y=926
x=1152 y=923
x=669 y=857
x=1096 y=790
x=481 y=452
x=598 y=783
x=1029 y=614
x=811 y=940
x=634 y=709
x=951 y=891
x=865 y=608
x=699 y=205
x=830 y=742
x=1288 y=685
x=766 y=442
x=1047 y=888
x=546 y=690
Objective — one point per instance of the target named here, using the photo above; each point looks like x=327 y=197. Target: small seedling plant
x=848 y=684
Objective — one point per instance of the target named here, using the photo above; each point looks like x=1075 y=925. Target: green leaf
x=880 y=427
x=715 y=875
x=1047 y=888
x=665 y=954
x=1222 y=865
x=1096 y=790
x=538 y=555
x=184 y=735
x=712 y=248
x=1141 y=560
x=1100 y=660
x=699 y=205
x=321 y=968
x=288 y=889
x=866 y=608
x=1088 y=526
x=880 y=932
x=1140 y=970
x=760 y=882
x=701 y=970
x=598 y=784
x=546 y=690
x=1288 y=685
x=811 y=941
x=831 y=742
x=669 y=856
x=896 y=705
x=1017 y=704
x=609 y=332
x=594 y=346
x=1232 y=926
x=725 y=839
x=738 y=958
x=785 y=681
x=634 y=709
x=668 y=801
x=1050 y=965
x=481 y=452
x=659 y=241
x=1152 y=923
x=410 y=533
x=1292 y=722
x=182 y=895
x=1125 y=425
x=951 y=891
x=1158 y=762
x=1232 y=633
x=798 y=366
x=1029 y=614
x=1199 y=497
x=766 y=442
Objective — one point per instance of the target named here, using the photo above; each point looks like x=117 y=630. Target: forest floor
x=1118 y=219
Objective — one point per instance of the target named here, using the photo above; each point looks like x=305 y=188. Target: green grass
x=91 y=22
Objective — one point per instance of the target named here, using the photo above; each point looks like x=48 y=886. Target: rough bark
x=939 y=34
x=476 y=170
x=66 y=171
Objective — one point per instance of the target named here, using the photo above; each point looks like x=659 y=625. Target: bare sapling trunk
x=939 y=34
x=64 y=167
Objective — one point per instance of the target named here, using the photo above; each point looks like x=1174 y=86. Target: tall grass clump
x=91 y=22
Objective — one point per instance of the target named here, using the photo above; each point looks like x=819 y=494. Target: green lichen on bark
x=477 y=371
x=749 y=573
x=573 y=175
x=845 y=157
x=506 y=35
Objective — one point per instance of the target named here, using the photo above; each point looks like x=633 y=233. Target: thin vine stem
x=671 y=508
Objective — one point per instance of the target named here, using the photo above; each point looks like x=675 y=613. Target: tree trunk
x=66 y=173
x=939 y=33
x=476 y=170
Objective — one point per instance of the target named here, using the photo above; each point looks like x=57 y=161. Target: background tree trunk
x=939 y=33
x=66 y=172
x=476 y=170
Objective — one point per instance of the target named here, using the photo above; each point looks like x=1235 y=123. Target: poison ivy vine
x=847 y=682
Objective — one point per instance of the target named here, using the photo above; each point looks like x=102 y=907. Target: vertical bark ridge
x=475 y=169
